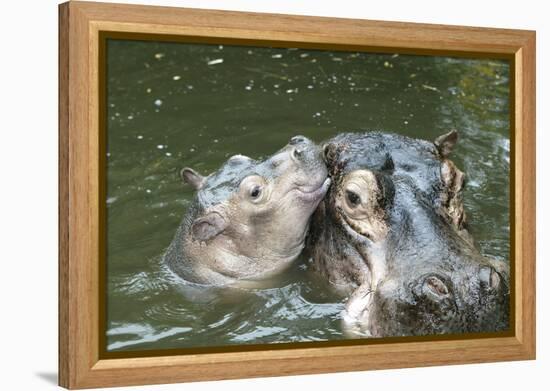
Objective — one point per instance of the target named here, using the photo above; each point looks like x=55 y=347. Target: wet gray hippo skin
x=391 y=235
x=249 y=219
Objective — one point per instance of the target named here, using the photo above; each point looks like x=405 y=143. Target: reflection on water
x=176 y=105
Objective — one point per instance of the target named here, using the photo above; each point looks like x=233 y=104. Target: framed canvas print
x=248 y=195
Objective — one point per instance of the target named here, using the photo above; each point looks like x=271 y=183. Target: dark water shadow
x=49 y=377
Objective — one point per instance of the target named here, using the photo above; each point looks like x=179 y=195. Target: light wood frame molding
x=80 y=24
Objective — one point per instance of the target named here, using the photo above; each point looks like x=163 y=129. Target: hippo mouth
x=313 y=194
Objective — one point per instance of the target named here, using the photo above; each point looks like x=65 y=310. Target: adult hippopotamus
x=249 y=219
x=391 y=234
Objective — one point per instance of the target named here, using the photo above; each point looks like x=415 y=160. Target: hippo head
x=392 y=227
x=249 y=219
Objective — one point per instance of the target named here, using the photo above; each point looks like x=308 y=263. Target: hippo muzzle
x=439 y=304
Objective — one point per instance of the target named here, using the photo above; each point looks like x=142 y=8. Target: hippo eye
x=255 y=191
x=254 y=188
x=353 y=198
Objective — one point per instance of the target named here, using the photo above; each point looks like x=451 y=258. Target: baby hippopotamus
x=391 y=234
x=249 y=219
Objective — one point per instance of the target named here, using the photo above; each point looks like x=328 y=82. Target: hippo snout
x=305 y=151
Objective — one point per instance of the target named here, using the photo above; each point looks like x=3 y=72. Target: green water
x=174 y=105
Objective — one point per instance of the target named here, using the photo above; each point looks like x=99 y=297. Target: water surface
x=173 y=105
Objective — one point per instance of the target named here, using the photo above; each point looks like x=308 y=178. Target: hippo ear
x=191 y=177
x=208 y=226
x=446 y=142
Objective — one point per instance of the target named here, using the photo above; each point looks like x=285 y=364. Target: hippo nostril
x=489 y=277
x=297 y=140
x=434 y=288
x=297 y=153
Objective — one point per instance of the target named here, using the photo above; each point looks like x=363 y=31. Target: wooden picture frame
x=81 y=25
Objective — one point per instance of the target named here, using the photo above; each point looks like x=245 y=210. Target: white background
x=28 y=193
